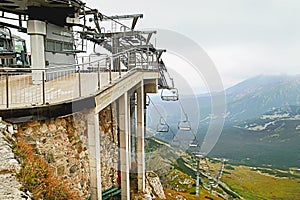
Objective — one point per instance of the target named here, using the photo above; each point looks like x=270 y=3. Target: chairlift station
x=82 y=60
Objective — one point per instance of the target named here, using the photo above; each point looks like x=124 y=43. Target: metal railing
x=23 y=87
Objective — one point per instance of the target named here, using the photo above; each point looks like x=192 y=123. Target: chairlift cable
x=185 y=124
x=182 y=108
x=172 y=80
x=161 y=117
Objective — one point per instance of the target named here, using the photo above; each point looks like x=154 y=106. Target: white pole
x=197 y=179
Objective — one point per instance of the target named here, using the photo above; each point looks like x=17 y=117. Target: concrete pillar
x=129 y=130
x=124 y=146
x=94 y=155
x=37 y=31
x=140 y=138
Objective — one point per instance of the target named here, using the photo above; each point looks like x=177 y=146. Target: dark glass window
x=50 y=45
x=58 y=46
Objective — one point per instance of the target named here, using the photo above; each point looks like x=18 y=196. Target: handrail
x=50 y=86
x=117 y=55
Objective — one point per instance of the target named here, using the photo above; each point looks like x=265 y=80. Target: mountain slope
x=246 y=100
x=271 y=140
x=258 y=95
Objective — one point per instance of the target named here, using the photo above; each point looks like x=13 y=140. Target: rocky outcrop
x=153 y=189
x=9 y=166
x=153 y=186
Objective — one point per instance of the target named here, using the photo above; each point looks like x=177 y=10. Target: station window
x=68 y=46
x=50 y=45
x=58 y=46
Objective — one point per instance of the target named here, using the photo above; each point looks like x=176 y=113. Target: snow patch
x=260 y=127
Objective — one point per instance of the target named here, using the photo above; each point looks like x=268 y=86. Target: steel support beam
x=117 y=17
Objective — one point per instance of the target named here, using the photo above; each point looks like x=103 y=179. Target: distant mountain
x=258 y=82
x=253 y=97
x=263 y=122
x=275 y=119
x=245 y=101
x=270 y=140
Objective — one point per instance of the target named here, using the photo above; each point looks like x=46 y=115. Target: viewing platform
x=71 y=85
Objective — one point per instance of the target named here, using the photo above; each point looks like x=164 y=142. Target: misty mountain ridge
x=255 y=96
x=260 y=81
x=245 y=101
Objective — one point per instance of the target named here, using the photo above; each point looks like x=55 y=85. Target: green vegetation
x=180 y=165
x=248 y=182
x=253 y=184
x=229 y=167
x=260 y=148
x=176 y=177
x=152 y=145
x=204 y=195
x=180 y=181
x=276 y=173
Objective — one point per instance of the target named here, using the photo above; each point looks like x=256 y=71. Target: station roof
x=21 y=6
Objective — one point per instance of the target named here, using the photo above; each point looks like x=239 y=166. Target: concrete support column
x=129 y=130
x=140 y=138
x=94 y=155
x=37 y=31
x=124 y=146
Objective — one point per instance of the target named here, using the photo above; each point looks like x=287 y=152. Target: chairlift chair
x=175 y=143
x=199 y=155
x=162 y=127
x=185 y=125
x=169 y=94
x=147 y=100
x=194 y=143
x=6 y=45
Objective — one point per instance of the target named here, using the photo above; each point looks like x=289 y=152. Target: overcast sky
x=244 y=38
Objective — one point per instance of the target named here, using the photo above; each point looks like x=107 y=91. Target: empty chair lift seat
x=169 y=94
x=184 y=125
x=162 y=127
